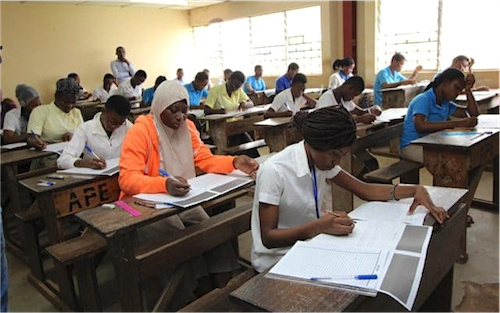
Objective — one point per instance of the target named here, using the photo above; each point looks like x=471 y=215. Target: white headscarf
x=176 y=151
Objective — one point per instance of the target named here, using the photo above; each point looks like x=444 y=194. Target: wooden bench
x=408 y=172
x=240 y=149
x=80 y=253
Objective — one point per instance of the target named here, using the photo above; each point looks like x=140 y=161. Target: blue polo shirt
x=425 y=104
x=258 y=84
x=385 y=76
x=195 y=96
x=282 y=83
x=147 y=95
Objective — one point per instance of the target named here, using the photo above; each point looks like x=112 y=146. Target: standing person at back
x=391 y=77
x=343 y=70
x=255 y=82
x=121 y=67
x=291 y=100
x=180 y=76
x=285 y=81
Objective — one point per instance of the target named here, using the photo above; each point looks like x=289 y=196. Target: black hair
x=108 y=76
x=228 y=70
x=206 y=70
x=257 y=66
x=293 y=66
x=327 y=128
x=398 y=57
x=179 y=69
x=201 y=76
x=347 y=61
x=299 y=78
x=119 y=47
x=238 y=75
x=141 y=73
x=460 y=58
x=72 y=75
x=357 y=82
x=160 y=79
x=337 y=64
x=448 y=75
x=118 y=104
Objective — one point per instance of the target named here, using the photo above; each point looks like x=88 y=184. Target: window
x=435 y=32
x=272 y=40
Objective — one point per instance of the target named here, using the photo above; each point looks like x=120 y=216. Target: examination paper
x=112 y=167
x=56 y=147
x=387 y=211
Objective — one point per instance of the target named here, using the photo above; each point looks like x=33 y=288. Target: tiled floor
x=482 y=246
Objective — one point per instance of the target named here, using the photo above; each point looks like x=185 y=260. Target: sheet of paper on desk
x=203 y=188
x=386 y=211
x=112 y=167
x=488 y=121
x=56 y=147
x=14 y=145
x=392 y=114
x=306 y=260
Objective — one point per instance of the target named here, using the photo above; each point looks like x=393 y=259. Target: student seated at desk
x=108 y=89
x=255 y=82
x=166 y=140
x=391 y=77
x=148 y=94
x=291 y=100
x=461 y=62
x=83 y=94
x=16 y=120
x=103 y=134
x=343 y=69
x=58 y=120
x=291 y=184
x=7 y=105
x=344 y=95
x=429 y=111
x=196 y=90
x=132 y=88
x=230 y=97
x=225 y=76
x=285 y=81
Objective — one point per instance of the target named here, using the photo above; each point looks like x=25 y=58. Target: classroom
x=229 y=155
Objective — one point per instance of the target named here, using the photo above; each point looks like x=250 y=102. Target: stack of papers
x=203 y=188
x=392 y=114
x=385 y=242
x=56 y=147
x=15 y=145
x=112 y=167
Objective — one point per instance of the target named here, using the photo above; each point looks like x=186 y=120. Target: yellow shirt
x=219 y=99
x=51 y=123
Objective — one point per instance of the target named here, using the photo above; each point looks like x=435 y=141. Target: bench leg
x=88 y=288
x=412 y=177
x=66 y=285
x=31 y=248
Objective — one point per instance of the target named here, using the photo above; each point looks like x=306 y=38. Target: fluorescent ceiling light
x=165 y=2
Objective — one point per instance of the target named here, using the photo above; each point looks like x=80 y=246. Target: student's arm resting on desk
x=211 y=106
x=382 y=192
x=11 y=137
x=73 y=150
x=311 y=103
x=244 y=100
x=272 y=113
x=472 y=107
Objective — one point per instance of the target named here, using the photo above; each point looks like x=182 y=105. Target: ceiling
x=163 y=4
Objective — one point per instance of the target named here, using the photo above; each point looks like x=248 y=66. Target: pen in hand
x=95 y=155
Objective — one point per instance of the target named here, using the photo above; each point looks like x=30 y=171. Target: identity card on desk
x=203 y=188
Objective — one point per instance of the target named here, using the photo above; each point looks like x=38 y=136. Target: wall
x=44 y=42
x=331 y=27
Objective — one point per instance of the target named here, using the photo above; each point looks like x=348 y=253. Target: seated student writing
x=108 y=89
x=132 y=88
x=343 y=69
x=291 y=100
x=255 y=82
x=148 y=94
x=83 y=94
x=429 y=111
x=391 y=77
x=197 y=91
x=290 y=187
x=344 y=94
x=58 y=120
x=16 y=120
x=165 y=139
x=103 y=135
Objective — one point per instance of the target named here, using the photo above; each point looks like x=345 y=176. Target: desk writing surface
x=488 y=121
x=478 y=95
x=403 y=87
x=253 y=110
x=274 y=121
x=23 y=155
x=457 y=138
x=68 y=182
x=138 y=111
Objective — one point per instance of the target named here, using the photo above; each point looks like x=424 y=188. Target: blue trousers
x=3 y=271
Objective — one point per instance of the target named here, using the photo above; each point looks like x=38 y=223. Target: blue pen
x=347 y=277
x=93 y=153
x=166 y=174
x=36 y=137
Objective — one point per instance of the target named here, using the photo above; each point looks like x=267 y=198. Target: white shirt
x=181 y=81
x=128 y=91
x=284 y=102
x=93 y=134
x=327 y=99
x=336 y=80
x=122 y=71
x=285 y=180
x=102 y=95
x=14 y=122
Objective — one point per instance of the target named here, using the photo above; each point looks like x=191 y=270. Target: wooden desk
x=487 y=101
x=220 y=128
x=435 y=292
x=133 y=264
x=278 y=133
x=400 y=97
x=134 y=113
x=56 y=204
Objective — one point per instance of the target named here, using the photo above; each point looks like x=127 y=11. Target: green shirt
x=219 y=99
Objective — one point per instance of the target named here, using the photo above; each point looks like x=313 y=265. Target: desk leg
x=9 y=173
x=123 y=249
x=440 y=298
x=342 y=200
x=54 y=227
x=217 y=130
x=495 y=180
